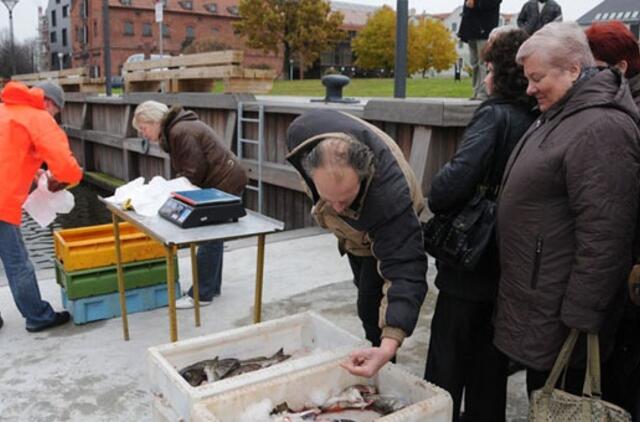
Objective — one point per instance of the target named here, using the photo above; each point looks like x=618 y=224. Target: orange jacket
x=29 y=136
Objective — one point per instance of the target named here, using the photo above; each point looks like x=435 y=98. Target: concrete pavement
x=89 y=373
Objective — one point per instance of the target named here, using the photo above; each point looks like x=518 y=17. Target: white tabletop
x=252 y=224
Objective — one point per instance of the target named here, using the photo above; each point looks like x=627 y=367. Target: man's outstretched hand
x=367 y=362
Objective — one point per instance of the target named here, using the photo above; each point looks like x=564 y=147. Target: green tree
x=375 y=44
x=432 y=47
x=305 y=28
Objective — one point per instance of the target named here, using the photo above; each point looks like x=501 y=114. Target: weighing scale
x=193 y=208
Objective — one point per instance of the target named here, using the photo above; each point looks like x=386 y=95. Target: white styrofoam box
x=310 y=338
x=427 y=401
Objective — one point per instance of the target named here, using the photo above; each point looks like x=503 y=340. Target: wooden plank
x=75 y=71
x=212 y=58
x=282 y=175
x=420 y=146
x=217 y=72
x=254 y=86
x=230 y=128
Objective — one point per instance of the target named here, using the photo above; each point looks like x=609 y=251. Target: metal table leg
x=257 y=306
x=121 y=288
x=196 y=283
x=171 y=292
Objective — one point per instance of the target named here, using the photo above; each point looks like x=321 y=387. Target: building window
x=635 y=14
x=598 y=16
x=620 y=15
x=191 y=33
x=605 y=16
x=85 y=34
x=65 y=11
x=125 y=2
x=186 y=4
x=128 y=28
x=53 y=37
x=215 y=30
x=627 y=15
x=95 y=28
x=460 y=45
x=84 y=12
x=165 y=31
x=64 y=37
x=233 y=10
x=211 y=7
x=53 y=19
x=146 y=30
x=454 y=26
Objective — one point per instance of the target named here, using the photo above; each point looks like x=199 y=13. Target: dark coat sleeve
x=601 y=173
x=398 y=247
x=523 y=17
x=487 y=4
x=187 y=157
x=456 y=182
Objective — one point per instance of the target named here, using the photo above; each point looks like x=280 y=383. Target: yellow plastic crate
x=94 y=246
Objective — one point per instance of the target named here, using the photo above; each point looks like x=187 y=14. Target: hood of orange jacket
x=29 y=136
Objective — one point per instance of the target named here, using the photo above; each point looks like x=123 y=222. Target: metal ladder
x=258 y=142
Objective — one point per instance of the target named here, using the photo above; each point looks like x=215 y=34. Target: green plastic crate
x=104 y=280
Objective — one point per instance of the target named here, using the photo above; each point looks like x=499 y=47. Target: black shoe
x=60 y=319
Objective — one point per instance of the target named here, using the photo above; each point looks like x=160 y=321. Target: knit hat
x=53 y=92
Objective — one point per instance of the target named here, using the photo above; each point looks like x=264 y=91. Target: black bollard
x=334 y=85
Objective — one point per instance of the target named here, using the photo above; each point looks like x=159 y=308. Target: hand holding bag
x=550 y=404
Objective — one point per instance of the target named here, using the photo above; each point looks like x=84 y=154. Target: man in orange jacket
x=29 y=136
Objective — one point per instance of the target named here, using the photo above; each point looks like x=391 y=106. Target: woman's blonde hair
x=149 y=112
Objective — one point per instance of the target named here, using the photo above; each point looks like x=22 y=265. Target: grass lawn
x=432 y=87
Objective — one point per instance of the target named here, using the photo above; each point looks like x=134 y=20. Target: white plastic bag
x=43 y=205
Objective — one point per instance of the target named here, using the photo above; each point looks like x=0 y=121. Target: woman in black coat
x=461 y=354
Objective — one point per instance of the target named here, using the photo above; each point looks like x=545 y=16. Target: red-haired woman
x=612 y=44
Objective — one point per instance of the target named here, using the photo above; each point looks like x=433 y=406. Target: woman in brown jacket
x=198 y=154
x=568 y=207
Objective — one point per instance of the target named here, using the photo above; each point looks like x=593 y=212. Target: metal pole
x=13 y=47
x=107 y=46
x=160 y=41
x=400 y=85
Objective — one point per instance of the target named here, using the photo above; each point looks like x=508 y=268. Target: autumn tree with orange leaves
x=303 y=28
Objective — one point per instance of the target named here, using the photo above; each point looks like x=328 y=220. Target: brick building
x=133 y=30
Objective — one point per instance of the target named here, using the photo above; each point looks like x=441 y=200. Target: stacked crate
x=86 y=271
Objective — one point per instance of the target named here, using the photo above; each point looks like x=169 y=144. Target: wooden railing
x=103 y=139
x=197 y=73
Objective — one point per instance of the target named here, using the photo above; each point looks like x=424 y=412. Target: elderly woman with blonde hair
x=567 y=208
x=201 y=156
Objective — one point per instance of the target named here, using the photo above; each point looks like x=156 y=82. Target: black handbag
x=460 y=239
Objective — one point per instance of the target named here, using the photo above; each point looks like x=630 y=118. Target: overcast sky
x=25 y=13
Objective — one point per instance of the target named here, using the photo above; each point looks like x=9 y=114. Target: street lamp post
x=10 y=4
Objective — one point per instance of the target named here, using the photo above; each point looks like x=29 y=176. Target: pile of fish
x=358 y=403
x=216 y=369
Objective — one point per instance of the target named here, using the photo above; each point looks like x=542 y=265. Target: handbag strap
x=562 y=362
x=591 y=386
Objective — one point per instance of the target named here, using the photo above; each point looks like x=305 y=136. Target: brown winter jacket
x=566 y=218
x=199 y=154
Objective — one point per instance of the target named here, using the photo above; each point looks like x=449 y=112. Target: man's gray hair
x=339 y=151
x=564 y=44
x=149 y=112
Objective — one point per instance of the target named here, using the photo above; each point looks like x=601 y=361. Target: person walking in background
x=29 y=136
x=462 y=357
x=364 y=191
x=198 y=154
x=479 y=17
x=537 y=13
x=613 y=44
x=567 y=209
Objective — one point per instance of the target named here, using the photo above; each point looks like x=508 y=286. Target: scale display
x=201 y=207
